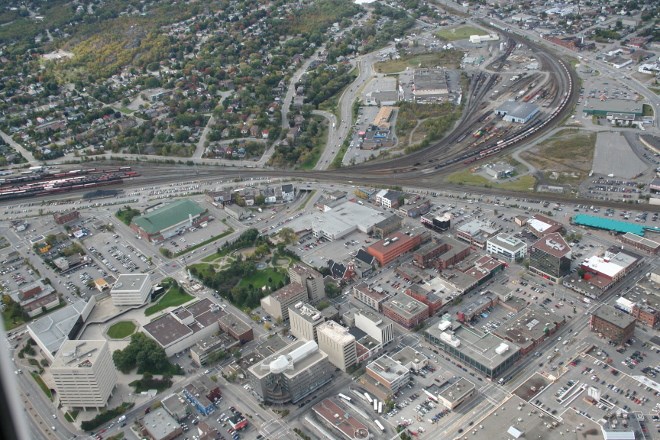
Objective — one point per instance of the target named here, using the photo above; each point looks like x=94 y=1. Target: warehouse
x=168 y=220
x=611 y=106
x=520 y=112
x=430 y=85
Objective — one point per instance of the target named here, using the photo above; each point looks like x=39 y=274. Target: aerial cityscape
x=330 y=219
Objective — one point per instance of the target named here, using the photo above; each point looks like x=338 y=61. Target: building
x=176 y=406
x=416 y=208
x=411 y=359
x=183 y=327
x=203 y=395
x=366 y=295
x=506 y=246
x=387 y=226
x=529 y=328
x=210 y=347
x=550 y=257
x=406 y=311
x=131 y=290
x=517 y=111
x=337 y=342
x=485 y=352
x=389 y=199
x=641 y=243
x=500 y=170
x=441 y=253
x=540 y=225
x=388 y=373
x=605 y=270
x=387 y=250
x=52 y=330
x=277 y=303
x=345 y=218
x=375 y=326
x=36 y=297
x=478 y=39
x=236 y=328
x=291 y=374
x=477 y=232
x=237 y=212
x=612 y=324
x=425 y=296
x=310 y=278
x=304 y=319
x=84 y=374
x=430 y=85
x=363 y=263
x=339 y=419
x=438 y=223
x=166 y=221
x=608 y=107
x=456 y=393
x=159 y=425
x=62 y=218
x=383 y=117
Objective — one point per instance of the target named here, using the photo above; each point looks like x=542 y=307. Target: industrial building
x=441 y=253
x=84 y=374
x=477 y=232
x=277 y=303
x=131 y=290
x=550 y=257
x=478 y=39
x=406 y=311
x=506 y=246
x=430 y=85
x=395 y=245
x=291 y=374
x=304 y=319
x=337 y=342
x=483 y=351
x=166 y=221
x=517 y=111
x=612 y=324
x=388 y=373
x=185 y=326
x=608 y=107
x=309 y=278
x=54 y=329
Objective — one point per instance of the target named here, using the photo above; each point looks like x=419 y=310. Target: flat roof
x=528 y=326
x=168 y=329
x=376 y=318
x=387 y=368
x=341 y=419
x=478 y=345
x=307 y=312
x=614 y=106
x=345 y=216
x=612 y=224
x=168 y=215
x=395 y=240
x=160 y=424
x=553 y=244
x=614 y=316
x=641 y=240
x=477 y=227
x=517 y=109
x=338 y=333
x=508 y=242
x=610 y=264
x=433 y=78
x=128 y=282
x=405 y=305
x=457 y=390
x=407 y=355
x=78 y=354
x=291 y=289
x=235 y=323
x=54 y=328
x=291 y=360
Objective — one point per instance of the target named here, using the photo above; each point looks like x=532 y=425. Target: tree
x=144 y=354
x=288 y=236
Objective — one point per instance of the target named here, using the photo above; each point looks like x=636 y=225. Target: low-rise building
x=236 y=328
x=517 y=111
x=62 y=218
x=131 y=290
x=203 y=395
x=411 y=359
x=425 y=296
x=36 y=297
x=605 y=270
x=395 y=245
x=176 y=406
x=387 y=226
x=477 y=232
x=540 y=225
x=210 y=348
x=388 y=373
x=456 y=393
x=612 y=324
x=406 y=311
x=168 y=220
x=437 y=223
x=159 y=425
x=339 y=419
x=366 y=295
x=641 y=243
x=277 y=303
x=506 y=246
x=441 y=253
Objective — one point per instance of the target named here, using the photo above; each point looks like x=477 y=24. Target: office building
x=395 y=245
x=506 y=246
x=550 y=257
x=131 y=290
x=375 y=326
x=211 y=347
x=366 y=295
x=291 y=374
x=441 y=253
x=277 y=303
x=411 y=359
x=309 y=278
x=456 y=393
x=477 y=232
x=388 y=373
x=84 y=374
x=405 y=310
x=612 y=324
x=338 y=344
x=236 y=328
x=159 y=425
x=304 y=320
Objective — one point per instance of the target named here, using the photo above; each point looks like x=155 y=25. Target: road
x=19 y=148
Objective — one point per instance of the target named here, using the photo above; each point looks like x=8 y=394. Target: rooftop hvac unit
x=298 y=305
x=502 y=348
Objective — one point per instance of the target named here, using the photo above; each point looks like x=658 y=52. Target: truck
x=121 y=418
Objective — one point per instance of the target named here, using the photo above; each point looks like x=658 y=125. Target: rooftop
x=307 y=312
x=345 y=216
x=405 y=306
x=611 y=224
x=341 y=419
x=408 y=355
x=528 y=326
x=613 y=316
x=517 y=109
x=290 y=290
x=336 y=332
x=290 y=361
x=641 y=240
x=478 y=227
x=375 y=318
x=129 y=283
x=54 y=328
x=160 y=424
x=457 y=390
x=553 y=244
x=542 y=225
x=168 y=215
x=78 y=354
x=387 y=368
x=229 y=320
x=615 y=106
x=396 y=240
x=507 y=241
x=610 y=264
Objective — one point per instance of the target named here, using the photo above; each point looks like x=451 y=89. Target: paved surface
x=613 y=155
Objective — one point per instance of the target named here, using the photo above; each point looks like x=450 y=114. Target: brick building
x=441 y=253
x=612 y=324
x=406 y=311
x=433 y=301
x=62 y=218
x=391 y=248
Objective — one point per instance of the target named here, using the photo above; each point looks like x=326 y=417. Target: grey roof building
x=515 y=111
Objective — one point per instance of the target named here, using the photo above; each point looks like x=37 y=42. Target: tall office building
x=303 y=321
x=310 y=279
x=338 y=344
x=550 y=257
x=374 y=325
x=84 y=374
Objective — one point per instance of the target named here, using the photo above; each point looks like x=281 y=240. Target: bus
x=380 y=425
x=345 y=397
x=368 y=397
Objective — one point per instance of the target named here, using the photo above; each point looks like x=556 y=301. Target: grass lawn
x=42 y=385
x=522 y=183
x=70 y=416
x=260 y=278
x=206 y=270
x=320 y=141
x=460 y=33
x=11 y=323
x=647 y=110
x=446 y=58
x=175 y=296
x=121 y=329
